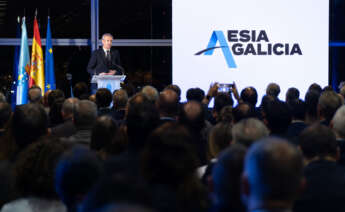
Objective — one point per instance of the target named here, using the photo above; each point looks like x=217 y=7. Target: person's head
x=35 y=94
x=292 y=94
x=298 y=109
x=318 y=142
x=273 y=89
x=167 y=103
x=175 y=88
x=103 y=132
x=192 y=116
x=120 y=99
x=220 y=101
x=315 y=87
x=5 y=114
x=68 y=107
x=30 y=121
x=247 y=131
x=311 y=102
x=142 y=118
x=54 y=95
x=169 y=147
x=273 y=174
x=250 y=95
x=75 y=174
x=150 y=92
x=277 y=117
x=55 y=115
x=85 y=114
x=328 y=104
x=195 y=94
x=226 y=178
x=80 y=90
x=243 y=111
x=35 y=168
x=226 y=114
x=107 y=41
x=219 y=138
x=103 y=97
x=338 y=122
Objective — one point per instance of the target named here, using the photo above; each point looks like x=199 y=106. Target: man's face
x=107 y=41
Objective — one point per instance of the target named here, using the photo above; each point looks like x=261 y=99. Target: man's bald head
x=168 y=103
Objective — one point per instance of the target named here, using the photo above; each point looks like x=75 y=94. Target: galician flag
x=23 y=68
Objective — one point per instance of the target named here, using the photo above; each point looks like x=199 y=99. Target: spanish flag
x=37 y=65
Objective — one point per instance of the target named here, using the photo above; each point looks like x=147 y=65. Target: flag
x=15 y=68
x=36 y=69
x=49 y=65
x=23 y=68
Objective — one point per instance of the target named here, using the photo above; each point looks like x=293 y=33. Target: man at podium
x=104 y=61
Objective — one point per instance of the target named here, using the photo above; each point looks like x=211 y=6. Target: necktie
x=108 y=56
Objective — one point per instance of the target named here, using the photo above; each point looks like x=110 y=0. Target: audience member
x=292 y=94
x=325 y=179
x=328 y=104
x=298 y=112
x=120 y=99
x=35 y=95
x=243 y=111
x=34 y=172
x=80 y=91
x=272 y=177
x=151 y=93
x=168 y=106
x=247 y=131
x=338 y=126
x=77 y=171
x=67 y=128
x=195 y=94
x=273 y=89
x=103 y=101
x=84 y=117
x=226 y=180
x=169 y=147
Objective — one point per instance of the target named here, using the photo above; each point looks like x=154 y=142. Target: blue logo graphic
x=219 y=36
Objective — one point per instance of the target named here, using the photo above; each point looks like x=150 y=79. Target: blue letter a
x=219 y=36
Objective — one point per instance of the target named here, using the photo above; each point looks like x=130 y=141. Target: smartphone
x=224 y=88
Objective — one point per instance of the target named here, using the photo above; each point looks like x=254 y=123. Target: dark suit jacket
x=98 y=62
x=325 y=188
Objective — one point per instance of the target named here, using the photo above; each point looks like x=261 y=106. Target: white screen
x=287 y=22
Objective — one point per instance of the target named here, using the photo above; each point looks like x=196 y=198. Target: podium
x=111 y=82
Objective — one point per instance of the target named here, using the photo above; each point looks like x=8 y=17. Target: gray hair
x=150 y=92
x=107 y=35
x=85 y=113
x=69 y=105
x=339 y=122
x=249 y=130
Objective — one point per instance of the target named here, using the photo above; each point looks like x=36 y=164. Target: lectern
x=111 y=82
